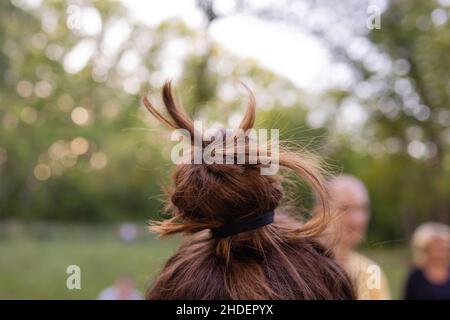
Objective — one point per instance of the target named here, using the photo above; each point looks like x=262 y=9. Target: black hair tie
x=243 y=226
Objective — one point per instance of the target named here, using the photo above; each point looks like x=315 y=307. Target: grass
x=34 y=259
x=34 y=266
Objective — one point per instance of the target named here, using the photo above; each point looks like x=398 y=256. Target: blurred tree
x=399 y=144
x=416 y=35
x=74 y=144
x=403 y=150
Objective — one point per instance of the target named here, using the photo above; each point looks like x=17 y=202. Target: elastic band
x=243 y=226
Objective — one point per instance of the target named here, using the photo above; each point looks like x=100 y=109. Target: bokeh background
x=81 y=162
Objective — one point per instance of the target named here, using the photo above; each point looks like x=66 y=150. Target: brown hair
x=282 y=260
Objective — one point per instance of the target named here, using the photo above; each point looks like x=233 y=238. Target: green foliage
x=409 y=178
x=75 y=144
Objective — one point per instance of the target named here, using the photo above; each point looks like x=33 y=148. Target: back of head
x=280 y=260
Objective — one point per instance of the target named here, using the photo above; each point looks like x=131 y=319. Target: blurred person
x=430 y=277
x=238 y=244
x=123 y=289
x=351 y=213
